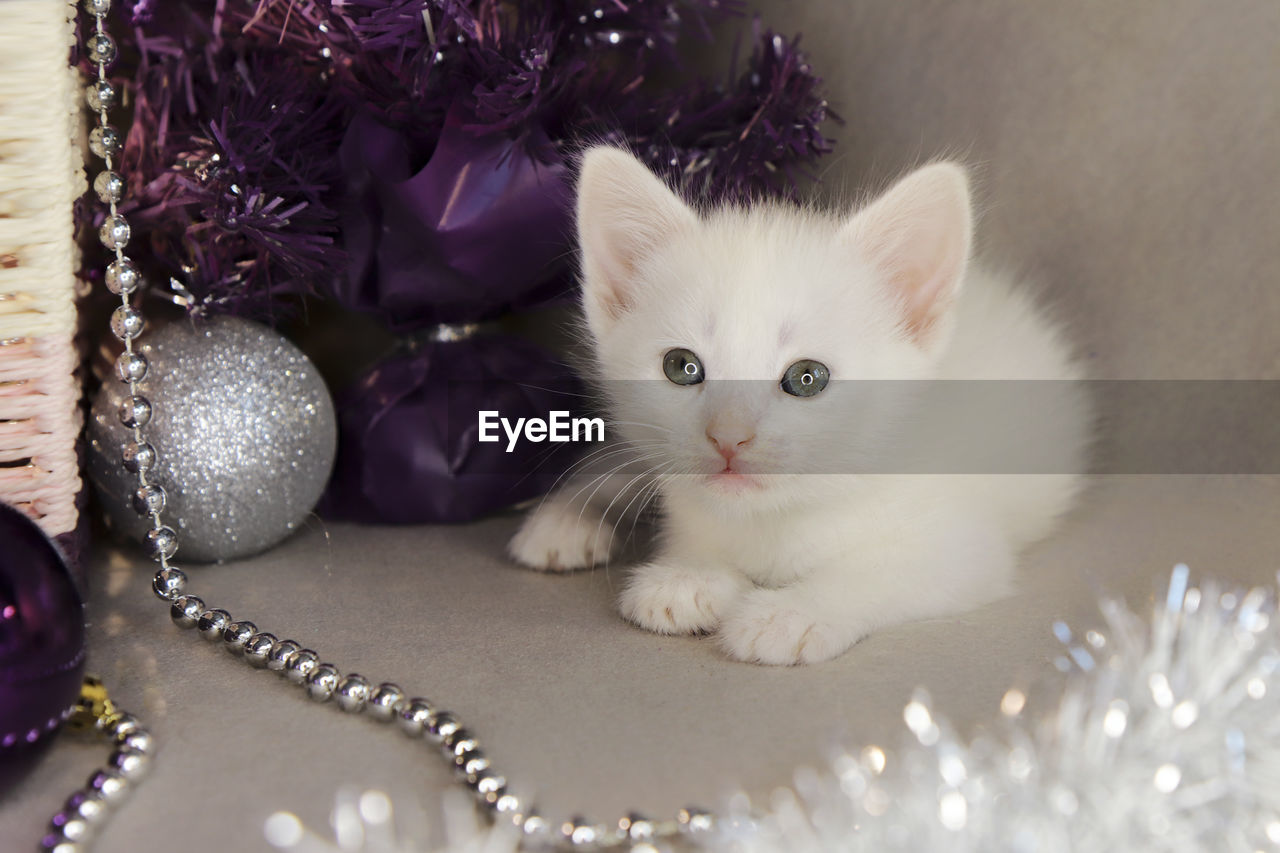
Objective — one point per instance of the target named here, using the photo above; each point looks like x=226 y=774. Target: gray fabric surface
x=1127 y=156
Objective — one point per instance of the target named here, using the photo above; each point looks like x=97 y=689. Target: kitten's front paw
x=776 y=627
x=558 y=537
x=668 y=600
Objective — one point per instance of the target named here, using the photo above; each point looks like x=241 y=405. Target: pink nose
x=728 y=442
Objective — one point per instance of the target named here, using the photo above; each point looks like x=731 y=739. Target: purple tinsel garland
x=239 y=107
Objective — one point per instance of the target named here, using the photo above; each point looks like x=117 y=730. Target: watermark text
x=560 y=426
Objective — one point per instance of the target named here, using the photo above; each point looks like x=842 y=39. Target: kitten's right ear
x=625 y=212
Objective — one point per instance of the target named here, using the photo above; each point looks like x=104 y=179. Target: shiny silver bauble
x=243 y=431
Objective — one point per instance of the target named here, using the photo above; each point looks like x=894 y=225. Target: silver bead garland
x=72 y=828
x=349 y=692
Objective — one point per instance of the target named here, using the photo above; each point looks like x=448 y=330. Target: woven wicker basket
x=41 y=175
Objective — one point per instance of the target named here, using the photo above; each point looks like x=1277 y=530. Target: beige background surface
x=1127 y=156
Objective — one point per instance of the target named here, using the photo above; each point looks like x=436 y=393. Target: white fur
x=823 y=540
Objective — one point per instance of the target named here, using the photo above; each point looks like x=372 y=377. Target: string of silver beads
x=73 y=827
x=416 y=716
x=123 y=278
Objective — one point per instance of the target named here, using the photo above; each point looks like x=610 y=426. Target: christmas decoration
x=414 y=162
x=1165 y=737
x=409 y=451
x=239 y=452
x=73 y=827
x=240 y=111
x=41 y=637
x=366 y=821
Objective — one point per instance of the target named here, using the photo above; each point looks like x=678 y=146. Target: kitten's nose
x=730 y=438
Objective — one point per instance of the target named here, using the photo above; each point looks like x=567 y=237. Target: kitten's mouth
x=733 y=480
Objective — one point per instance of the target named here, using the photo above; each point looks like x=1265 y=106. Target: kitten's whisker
x=540 y=459
x=602 y=453
x=639 y=424
x=600 y=479
x=578 y=463
x=648 y=472
x=646 y=495
x=604 y=479
x=560 y=392
x=604 y=515
x=612 y=449
x=653 y=491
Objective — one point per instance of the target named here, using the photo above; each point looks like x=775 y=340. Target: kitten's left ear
x=918 y=235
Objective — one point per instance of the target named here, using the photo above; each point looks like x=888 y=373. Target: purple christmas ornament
x=481 y=228
x=409 y=452
x=41 y=639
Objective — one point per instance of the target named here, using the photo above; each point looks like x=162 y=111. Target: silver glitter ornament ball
x=244 y=433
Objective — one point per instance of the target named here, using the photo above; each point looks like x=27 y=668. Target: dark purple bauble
x=41 y=639
x=407 y=432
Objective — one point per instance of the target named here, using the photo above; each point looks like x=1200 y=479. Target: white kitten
x=790 y=527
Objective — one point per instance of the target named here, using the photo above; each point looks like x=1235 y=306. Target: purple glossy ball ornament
x=41 y=640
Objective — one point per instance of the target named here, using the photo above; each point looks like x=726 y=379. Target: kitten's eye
x=805 y=378
x=682 y=367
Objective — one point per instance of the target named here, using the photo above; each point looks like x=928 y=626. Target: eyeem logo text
x=560 y=427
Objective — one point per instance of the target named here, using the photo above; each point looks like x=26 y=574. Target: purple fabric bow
x=478 y=230
x=483 y=228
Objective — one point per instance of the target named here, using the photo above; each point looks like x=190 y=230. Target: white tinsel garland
x=1166 y=738
x=365 y=822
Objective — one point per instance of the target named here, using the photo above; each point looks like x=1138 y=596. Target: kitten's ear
x=625 y=212
x=918 y=236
